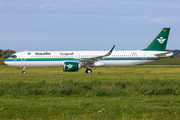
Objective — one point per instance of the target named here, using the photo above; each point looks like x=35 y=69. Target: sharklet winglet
x=110 y=52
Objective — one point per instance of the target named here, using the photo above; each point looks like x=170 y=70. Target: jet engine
x=71 y=66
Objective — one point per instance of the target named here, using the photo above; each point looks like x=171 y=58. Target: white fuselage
x=57 y=58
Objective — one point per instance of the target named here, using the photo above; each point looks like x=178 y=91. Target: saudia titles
x=48 y=53
x=66 y=53
x=45 y=53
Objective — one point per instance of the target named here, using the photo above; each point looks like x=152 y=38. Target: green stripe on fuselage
x=105 y=58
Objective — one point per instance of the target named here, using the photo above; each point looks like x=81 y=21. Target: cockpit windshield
x=13 y=56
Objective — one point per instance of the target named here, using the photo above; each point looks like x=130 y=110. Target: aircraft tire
x=88 y=71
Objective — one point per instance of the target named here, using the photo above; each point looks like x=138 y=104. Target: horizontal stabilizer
x=167 y=54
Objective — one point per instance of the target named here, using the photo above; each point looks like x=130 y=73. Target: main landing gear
x=24 y=70
x=88 y=71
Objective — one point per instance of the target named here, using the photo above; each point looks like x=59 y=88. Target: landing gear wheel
x=24 y=70
x=88 y=71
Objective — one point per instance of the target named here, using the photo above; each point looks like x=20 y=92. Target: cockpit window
x=13 y=56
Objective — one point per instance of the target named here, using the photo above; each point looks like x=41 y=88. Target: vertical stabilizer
x=159 y=43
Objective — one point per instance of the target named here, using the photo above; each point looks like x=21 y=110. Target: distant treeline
x=6 y=53
x=175 y=53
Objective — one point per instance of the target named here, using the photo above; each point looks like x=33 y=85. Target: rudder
x=160 y=42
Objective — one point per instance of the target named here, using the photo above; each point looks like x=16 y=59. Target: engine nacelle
x=71 y=66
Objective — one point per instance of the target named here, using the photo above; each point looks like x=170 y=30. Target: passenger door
x=23 y=56
x=144 y=57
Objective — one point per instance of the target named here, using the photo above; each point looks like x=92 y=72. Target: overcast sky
x=86 y=24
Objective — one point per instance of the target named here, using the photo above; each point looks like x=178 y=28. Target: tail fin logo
x=161 y=40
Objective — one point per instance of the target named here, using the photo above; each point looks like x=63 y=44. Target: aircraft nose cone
x=6 y=62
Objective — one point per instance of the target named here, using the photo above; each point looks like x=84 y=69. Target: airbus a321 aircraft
x=74 y=60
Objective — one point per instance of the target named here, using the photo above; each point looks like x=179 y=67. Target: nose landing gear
x=24 y=70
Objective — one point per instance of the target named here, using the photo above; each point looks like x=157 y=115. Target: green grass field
x=165 y=61
x=138 y=92
x=2 y=61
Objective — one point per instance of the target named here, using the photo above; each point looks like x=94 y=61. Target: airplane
x=74 y=60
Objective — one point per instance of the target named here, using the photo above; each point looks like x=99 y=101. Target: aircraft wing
x=93 y=59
